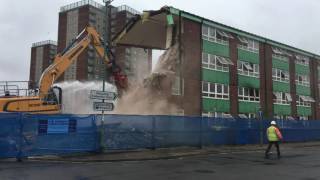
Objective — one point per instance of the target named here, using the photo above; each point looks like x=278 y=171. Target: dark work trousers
x=276 y=143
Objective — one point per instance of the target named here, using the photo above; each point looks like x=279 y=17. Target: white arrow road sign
x=103 y=106
x=106 y=95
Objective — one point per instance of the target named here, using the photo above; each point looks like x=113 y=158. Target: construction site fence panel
x=25 y=135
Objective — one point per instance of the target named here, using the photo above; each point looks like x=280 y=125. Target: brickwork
x=268 y=108
x=233 y=86
x=292 y=75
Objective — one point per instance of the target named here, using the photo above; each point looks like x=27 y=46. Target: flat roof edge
x=200 y=19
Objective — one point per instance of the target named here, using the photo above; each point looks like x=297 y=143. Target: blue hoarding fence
x=23 y=135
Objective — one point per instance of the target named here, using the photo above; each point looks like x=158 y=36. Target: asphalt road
x=296 y=163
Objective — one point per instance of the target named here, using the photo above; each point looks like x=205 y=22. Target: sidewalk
x=166 y=153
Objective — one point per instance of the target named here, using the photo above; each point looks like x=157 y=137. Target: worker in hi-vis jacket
x=274 y=136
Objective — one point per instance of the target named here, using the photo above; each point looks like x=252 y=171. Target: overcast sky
x=293 y=22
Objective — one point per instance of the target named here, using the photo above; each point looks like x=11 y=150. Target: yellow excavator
x=152 y=29
x=47 y=99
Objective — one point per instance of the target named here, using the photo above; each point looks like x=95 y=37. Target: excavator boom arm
x=65 y=59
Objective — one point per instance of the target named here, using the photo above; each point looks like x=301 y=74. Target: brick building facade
x=42 y=55
x=229 y=72
x=73 y=18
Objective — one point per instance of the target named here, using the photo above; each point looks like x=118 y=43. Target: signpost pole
x=261 y=126
x=106 y=37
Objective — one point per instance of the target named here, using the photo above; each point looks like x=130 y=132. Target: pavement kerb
x=168 y=153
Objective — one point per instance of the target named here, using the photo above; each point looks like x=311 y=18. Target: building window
x=90 y=69
x=248 y=44
x=302 y=80
x=247 y=115
x=248 y=69
x=303 y=60
x=92 y=20
x=280 y=54
x=280 y=75
x=280 y=57
x=113 y=30
x=214 y=62
x=215 y=90
x=177 y=87
x=216 y=114
x=319 y=91
x=215 y=35
x=282 y=117
x=303 y=118
x=248 y=94
x=304 y=100
x=90 y=76
x=281 y=98
x=91 y=54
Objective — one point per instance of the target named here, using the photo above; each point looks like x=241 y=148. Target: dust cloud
x=152 y=96
x=76 y=96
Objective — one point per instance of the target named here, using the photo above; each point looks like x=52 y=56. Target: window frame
x=212 y=90
x=243 y=70
x=282 y=98
x=248 y=44
x=301 y=102
x=244 y=94
x=213 y=63
x=305 y=80
x=277 y=75
x=175 y=88
x=302 y=60
x=215 y=35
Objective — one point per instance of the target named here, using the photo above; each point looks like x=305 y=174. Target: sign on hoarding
x=57 y=126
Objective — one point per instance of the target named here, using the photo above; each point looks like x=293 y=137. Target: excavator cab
x=54 y=96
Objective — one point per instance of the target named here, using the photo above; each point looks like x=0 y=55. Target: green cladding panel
x=278 y=64
x=215 y=48
x=303 y=90
x=281 y=109
x=248 y=56
x=248 y=107
x=281 y=87
x=301 y=69
x=170 y=20
x=215 y=105
x=304 y=111
x=247 y=81
x=215 y=76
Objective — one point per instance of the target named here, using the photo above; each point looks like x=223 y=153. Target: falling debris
x=152 y=96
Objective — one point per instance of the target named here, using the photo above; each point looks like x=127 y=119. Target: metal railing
x=15 y=88
x=81 y=3
x=41 y=43
x=128 y=9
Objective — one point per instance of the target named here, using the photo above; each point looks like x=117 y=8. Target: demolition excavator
x=47 y=99
x=153 y=29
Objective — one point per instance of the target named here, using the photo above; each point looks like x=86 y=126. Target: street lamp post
x=106 y=36
x=107 y=44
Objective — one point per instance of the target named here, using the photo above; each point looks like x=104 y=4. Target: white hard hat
x=273 y=123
